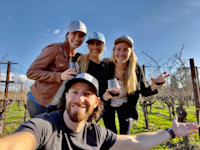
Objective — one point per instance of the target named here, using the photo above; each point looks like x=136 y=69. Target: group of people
x=65 y=103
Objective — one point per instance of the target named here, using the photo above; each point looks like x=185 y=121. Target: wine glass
x=113 y=86
x=157 y=73
x=74 y=65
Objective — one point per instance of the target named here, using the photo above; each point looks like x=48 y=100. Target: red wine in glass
x=159 y=83
x=113 y=83
x=156 y=73
x=113 y=94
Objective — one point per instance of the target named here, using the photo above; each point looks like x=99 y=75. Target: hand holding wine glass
x=158 y=78
x=73 y=70
x=75 y=67
x=114 y=88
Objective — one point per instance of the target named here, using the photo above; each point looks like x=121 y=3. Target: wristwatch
x=171 y=132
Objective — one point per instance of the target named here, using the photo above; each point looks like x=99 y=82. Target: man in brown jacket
x=50 y=69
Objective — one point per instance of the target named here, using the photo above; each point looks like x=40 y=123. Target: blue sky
x=158 y=27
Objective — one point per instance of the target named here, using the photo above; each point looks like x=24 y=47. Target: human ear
x=97 y=101
x=66 y=94
x=66 y=36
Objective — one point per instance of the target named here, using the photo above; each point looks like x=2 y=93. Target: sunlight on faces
x=75 y=39
x=122 y=52
x=81 y=100
x=95 y=48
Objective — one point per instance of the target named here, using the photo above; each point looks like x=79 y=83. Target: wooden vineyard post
x=3 y=110
x=196 y=90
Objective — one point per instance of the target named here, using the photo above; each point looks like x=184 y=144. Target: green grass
x=158 y=119
x=14 y=118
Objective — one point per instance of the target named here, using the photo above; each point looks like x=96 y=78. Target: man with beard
x=70 y=128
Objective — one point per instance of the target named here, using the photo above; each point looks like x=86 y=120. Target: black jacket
x=132 y=98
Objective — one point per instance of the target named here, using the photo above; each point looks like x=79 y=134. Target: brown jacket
x=46 y=71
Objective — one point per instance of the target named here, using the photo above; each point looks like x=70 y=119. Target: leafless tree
x=146 y=102
x=180 y=84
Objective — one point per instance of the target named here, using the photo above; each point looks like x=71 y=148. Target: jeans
x=35 y=109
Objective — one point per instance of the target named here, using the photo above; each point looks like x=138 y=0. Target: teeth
x=96 y=51
x=77 y=107
x=76 y=43
x=121 y=57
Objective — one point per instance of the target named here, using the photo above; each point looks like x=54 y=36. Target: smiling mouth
x=76 y=43
x=121 y=58
x=78 y=107
x=96 y=51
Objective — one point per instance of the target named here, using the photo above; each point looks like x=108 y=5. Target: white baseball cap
x=77 y=26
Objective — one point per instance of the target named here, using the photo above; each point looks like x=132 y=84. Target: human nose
x=96 y=46
x=77 y=37
x=80 y=97
x=120 y=53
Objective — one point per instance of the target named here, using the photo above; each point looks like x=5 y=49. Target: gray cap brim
x=124 y=40
x=85 y=78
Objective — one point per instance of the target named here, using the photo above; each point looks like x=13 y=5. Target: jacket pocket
x=62 y=63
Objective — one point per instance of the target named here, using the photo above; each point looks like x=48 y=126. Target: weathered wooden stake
x=196 y=90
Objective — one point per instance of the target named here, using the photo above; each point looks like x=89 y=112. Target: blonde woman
x=123 y=66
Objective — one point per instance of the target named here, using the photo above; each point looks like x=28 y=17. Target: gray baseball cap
x=125 y=38
x=85 y=78
x=77 y=26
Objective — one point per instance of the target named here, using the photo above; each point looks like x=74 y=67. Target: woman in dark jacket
x=123 y=66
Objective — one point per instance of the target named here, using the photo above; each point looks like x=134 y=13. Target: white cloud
x=3 y=77
x=61 y=36
x=50 y=32
x=18 y=80
x=57 y=31
x=21 y=78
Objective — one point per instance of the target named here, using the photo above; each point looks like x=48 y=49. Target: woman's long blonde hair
x=130 y=77
x=83 y=62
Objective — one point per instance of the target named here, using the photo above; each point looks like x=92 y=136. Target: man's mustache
x=81 y=104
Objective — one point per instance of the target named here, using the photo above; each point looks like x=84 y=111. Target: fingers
x=175 y=122
x=106 y=95
x=193 y=132
x=175 y=118
x=192 y=126
x=167 y=76
x=68 y=74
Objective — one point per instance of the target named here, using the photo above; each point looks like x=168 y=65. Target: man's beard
x=79 y=116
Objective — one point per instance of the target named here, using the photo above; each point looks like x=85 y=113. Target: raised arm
x=18 y=141
x=149 y=140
